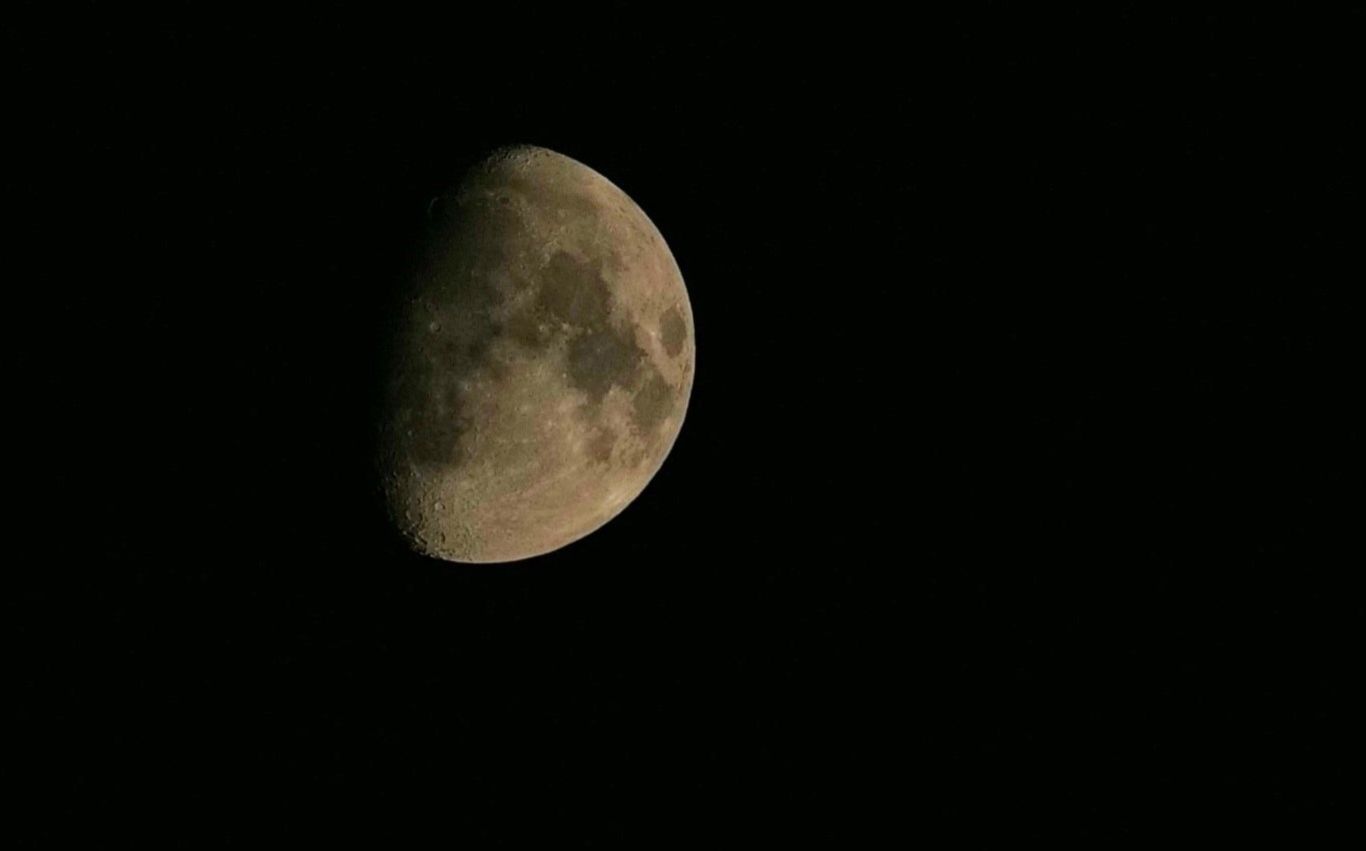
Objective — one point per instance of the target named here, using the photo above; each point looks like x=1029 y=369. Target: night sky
x=1008 y=502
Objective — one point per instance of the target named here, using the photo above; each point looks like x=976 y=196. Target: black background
x=1006 y=502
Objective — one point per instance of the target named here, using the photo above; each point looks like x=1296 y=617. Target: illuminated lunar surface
x=543 y=363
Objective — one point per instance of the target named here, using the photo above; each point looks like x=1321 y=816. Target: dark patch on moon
x=601 y=445
x=603 y=357
x=672 y=331
x=652 y=402
x=528 y=330
x=574 y=292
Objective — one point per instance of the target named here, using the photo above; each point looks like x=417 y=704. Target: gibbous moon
x=543 y=363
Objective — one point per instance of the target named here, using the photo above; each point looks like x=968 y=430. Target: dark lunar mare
x=572 y=300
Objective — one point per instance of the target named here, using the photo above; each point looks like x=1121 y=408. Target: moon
x=544 y=357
